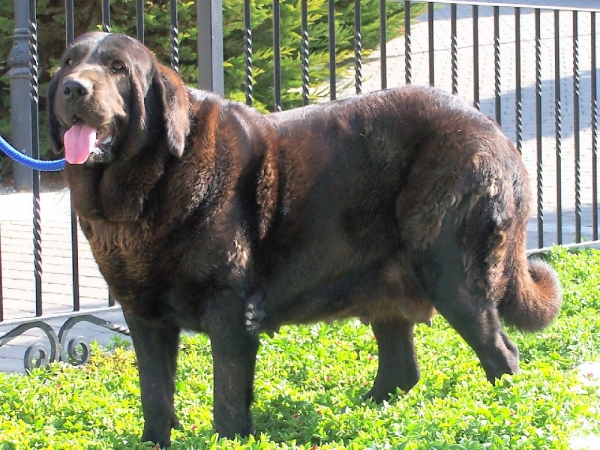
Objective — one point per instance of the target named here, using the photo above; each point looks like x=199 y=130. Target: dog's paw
x=254 y=313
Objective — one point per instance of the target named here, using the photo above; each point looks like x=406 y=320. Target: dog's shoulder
x=207 y=105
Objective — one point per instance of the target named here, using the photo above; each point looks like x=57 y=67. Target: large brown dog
x=205 y=215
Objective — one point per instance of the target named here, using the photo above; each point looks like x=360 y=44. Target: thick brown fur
x=207 y=215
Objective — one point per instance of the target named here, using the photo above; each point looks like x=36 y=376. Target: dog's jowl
x=205 y=215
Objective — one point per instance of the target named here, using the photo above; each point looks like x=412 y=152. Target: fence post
x=19 y=75
x=210 y=45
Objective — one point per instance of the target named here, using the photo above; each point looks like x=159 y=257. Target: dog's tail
x=533 y=297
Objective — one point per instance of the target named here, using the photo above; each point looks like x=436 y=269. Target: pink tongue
x=80 y=140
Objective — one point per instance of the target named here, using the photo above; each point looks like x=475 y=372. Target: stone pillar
x=210 y=45
x=19 y=75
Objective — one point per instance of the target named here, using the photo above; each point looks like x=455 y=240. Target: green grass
x=309 y=384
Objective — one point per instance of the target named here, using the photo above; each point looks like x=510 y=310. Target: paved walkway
x=15 y=209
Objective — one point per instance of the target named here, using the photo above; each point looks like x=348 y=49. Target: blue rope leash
x=44 y=166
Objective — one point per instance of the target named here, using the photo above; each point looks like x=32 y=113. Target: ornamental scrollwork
x=75 y=351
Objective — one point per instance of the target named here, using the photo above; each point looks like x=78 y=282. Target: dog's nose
x=76 y=89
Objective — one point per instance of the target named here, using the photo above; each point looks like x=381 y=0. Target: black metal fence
x=533 y=69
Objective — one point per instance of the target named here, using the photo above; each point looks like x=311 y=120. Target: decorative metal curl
x=76 y=351
x=36 y=356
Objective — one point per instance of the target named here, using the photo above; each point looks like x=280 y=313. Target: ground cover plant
x=310 y=381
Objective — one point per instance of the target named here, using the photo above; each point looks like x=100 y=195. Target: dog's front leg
x=234 y=350
x=398 y=366
x=156 y=347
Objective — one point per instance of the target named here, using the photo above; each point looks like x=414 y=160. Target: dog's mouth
x=83 y=141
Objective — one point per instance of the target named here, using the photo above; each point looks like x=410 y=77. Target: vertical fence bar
x=34 y=70
x=69 y=21
x=383 y=43
x=357 y=49
x=331 y=26
x=453 y=49
x=1 y=284
x=106 y=28
x=538 y=127
x=248 y=82
x=518 y=92
x=594 y=117
x=407 y=45
x=75 y=261
x=476 y=101
x=304 y=52
x=497 y=69
x=577 y=143
x=106 y=16
x=558 y=127
x=35 y=153
x=174 y=34
x=70 y=36
x=277 y=54
x=139 y=14
x=431 y=41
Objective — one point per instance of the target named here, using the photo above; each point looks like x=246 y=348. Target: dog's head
x=111 y=98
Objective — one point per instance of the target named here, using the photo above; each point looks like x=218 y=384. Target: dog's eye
x=118 y=66
x=69 y=62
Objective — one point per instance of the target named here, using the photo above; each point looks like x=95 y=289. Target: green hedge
x=51 y=25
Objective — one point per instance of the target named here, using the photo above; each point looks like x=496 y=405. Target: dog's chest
x=122 y=250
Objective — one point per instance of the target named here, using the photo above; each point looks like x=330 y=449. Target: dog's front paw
x=254 y=313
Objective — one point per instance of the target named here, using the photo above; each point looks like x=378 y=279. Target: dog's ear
x=55 y=134
x=173 y=99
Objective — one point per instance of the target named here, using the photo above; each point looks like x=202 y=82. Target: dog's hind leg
x=482 y=330
x=465 y=304
x=156 y=346
x=398 y=366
